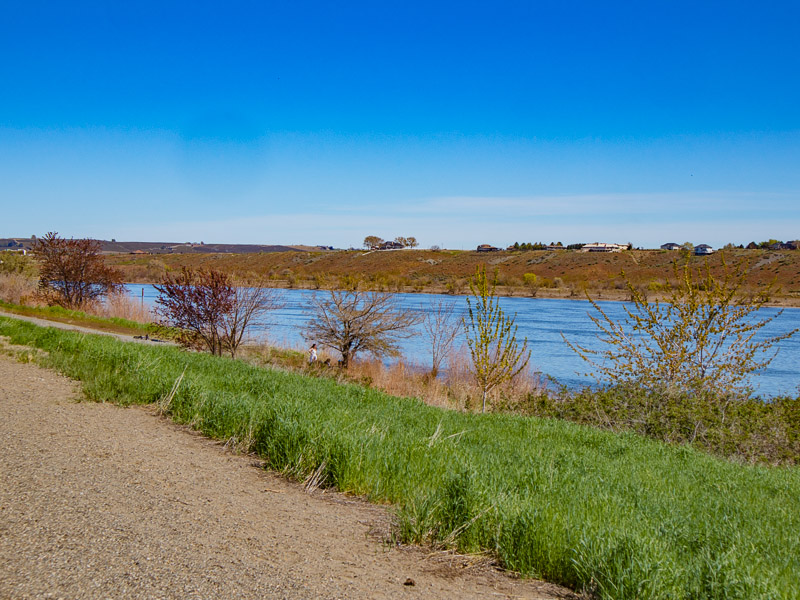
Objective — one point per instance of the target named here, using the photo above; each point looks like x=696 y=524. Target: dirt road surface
x=98 y=501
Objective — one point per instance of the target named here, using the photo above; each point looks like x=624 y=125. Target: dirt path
x=98 y=501
x=70 y=326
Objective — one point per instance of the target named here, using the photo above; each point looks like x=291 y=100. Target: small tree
x=72 y=272
x=197 y=301
x=701 y=339
x=442 y=324
x=212 y=309
x=491 y=337
x=372 y=242
x=354 y=321
x=412 y=242
x=251 y=302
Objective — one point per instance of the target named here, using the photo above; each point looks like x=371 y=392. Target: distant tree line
x=774 y=245
x=543 y=246
x=373 y=242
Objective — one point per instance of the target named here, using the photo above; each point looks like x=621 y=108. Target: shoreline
x=505 y=292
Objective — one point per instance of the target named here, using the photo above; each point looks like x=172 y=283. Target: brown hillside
x=557 y=273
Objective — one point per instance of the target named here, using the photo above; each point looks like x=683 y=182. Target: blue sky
x=458 y=123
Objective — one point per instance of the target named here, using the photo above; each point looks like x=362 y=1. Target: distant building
x=487 y=248
x=671 y=246
x=390 y=246
x=604 y=247
x=703 y=250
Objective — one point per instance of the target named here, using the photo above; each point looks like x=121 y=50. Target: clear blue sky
x=456 y=122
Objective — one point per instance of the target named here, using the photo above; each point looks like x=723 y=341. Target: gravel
x=98 y=501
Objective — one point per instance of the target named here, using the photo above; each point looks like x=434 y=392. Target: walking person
x=312 y=354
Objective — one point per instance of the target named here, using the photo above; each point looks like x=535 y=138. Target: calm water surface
x=543 y=321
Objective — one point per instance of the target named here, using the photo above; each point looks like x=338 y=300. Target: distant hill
x=170 y=247
x=546 y=274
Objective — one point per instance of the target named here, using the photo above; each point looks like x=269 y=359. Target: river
x=542 y=321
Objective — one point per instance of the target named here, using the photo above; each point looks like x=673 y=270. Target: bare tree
x=197 y=301
x=372 y=242
x=354 y=321
x=215 y=311
x=491 y=337
x=402 y=241
x=412 y=242
x=72 y=272
x=251 y=302
x=442 y=323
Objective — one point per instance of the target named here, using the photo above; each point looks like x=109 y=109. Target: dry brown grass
x=559 y=274
x=17 y=288
x=454 y=388
x=121 y=306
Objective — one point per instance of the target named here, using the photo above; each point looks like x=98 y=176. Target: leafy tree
x=702 y=339
x=533 y=281
x=491 y=337
x=402 y=241
x=17 y=263
x=353 y=321
x=72 y=272
x=372 y=242
x=412 y=242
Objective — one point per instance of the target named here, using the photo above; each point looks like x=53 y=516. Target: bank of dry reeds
x=17 y=288
x=454 y=388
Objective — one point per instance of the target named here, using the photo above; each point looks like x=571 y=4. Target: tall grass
x=454 y=388
x=80 y=317
x=121 y=306
x=616 y=514
x=16 y=288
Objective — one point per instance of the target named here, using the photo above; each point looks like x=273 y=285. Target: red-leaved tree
x=72 y=272
x=214 y=311
x=197 y=301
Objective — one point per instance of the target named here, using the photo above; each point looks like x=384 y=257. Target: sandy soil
x=98 y=501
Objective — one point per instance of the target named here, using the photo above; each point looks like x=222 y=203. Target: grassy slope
x=630 y=517
x=434 y=271
x=77 y=317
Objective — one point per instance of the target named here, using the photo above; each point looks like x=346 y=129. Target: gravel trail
x=98 y=501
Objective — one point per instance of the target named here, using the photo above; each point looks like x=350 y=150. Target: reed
x=122 y=306
x=17 y=288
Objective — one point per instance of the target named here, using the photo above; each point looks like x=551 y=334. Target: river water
x=542 y=321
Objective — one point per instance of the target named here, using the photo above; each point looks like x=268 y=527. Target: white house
x=604 y=247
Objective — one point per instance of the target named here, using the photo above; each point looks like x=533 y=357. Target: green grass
x=77 y=317
x=618 y=514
